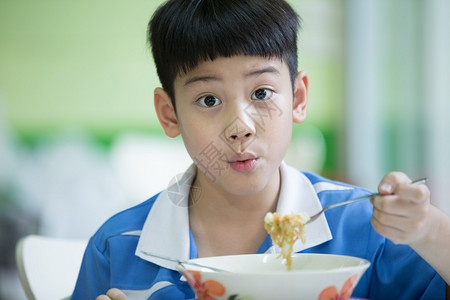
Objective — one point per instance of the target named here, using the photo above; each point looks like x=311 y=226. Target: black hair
x=184 y=33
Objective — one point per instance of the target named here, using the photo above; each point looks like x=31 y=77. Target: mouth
x=242 y=157
x=243 y=162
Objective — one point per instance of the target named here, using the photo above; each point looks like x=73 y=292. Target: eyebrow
x=195 y=79
x=262 y=71
x=252 y=73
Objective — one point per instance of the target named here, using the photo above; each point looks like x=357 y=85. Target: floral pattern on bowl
x=331 y=292
x=204 y=290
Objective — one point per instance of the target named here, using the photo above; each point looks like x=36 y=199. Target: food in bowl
x=261 y=277
x=285 y=230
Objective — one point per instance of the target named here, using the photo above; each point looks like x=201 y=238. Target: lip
x=243 y=162
x=242 y=157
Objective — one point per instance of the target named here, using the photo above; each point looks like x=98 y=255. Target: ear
x=166 y=113
x=300 y=97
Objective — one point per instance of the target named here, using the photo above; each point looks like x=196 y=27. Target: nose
x=240 y=130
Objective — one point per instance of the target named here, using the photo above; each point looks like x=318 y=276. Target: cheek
x=197 y=137
x=279 y=131
x=279 y=124
x=206 y=149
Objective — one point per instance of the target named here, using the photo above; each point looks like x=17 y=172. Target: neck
x=212 y=202
x=217 y=218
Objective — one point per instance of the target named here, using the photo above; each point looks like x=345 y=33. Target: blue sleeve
x=93 y=279
x=400 y=273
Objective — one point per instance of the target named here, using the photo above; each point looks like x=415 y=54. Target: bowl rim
x=363 y=264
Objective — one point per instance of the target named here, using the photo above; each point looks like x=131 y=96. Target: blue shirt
x=113 y=257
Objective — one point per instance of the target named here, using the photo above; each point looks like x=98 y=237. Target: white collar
x=166 y=229
x=297 y=194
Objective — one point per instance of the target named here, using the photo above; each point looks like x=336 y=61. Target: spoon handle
x=417 y=181
x=182 y=262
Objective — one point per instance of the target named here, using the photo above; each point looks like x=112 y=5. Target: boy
x=228 y=69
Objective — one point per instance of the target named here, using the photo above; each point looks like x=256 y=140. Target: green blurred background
x=86 y=65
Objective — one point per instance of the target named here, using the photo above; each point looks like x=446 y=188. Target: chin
x=247 y=185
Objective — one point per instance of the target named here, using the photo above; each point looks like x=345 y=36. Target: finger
x=403 y=223
x=116 y=294
x=394 y=234
x=102 y=297
x=390 y=181
x=399 y=230
x=417 y=193
x=395 y=205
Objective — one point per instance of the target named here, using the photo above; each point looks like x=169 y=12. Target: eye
x=262 y=94
x=209 y=101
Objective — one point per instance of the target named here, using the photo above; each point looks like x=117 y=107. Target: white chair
x=48 y=267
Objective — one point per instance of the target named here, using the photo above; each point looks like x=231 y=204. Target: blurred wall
x=397 y=74
x=76 y=63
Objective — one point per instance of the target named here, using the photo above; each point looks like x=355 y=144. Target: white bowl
x=263 y=276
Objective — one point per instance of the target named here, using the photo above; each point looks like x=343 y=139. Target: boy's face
x=235 y=116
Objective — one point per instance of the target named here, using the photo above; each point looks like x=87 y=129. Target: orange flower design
x=331 y=292
x=204 y=290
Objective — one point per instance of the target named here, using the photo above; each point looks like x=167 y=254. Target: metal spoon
x=181 y=261
x=314 y=217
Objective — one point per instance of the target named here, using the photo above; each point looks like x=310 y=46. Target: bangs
x=192 y=31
